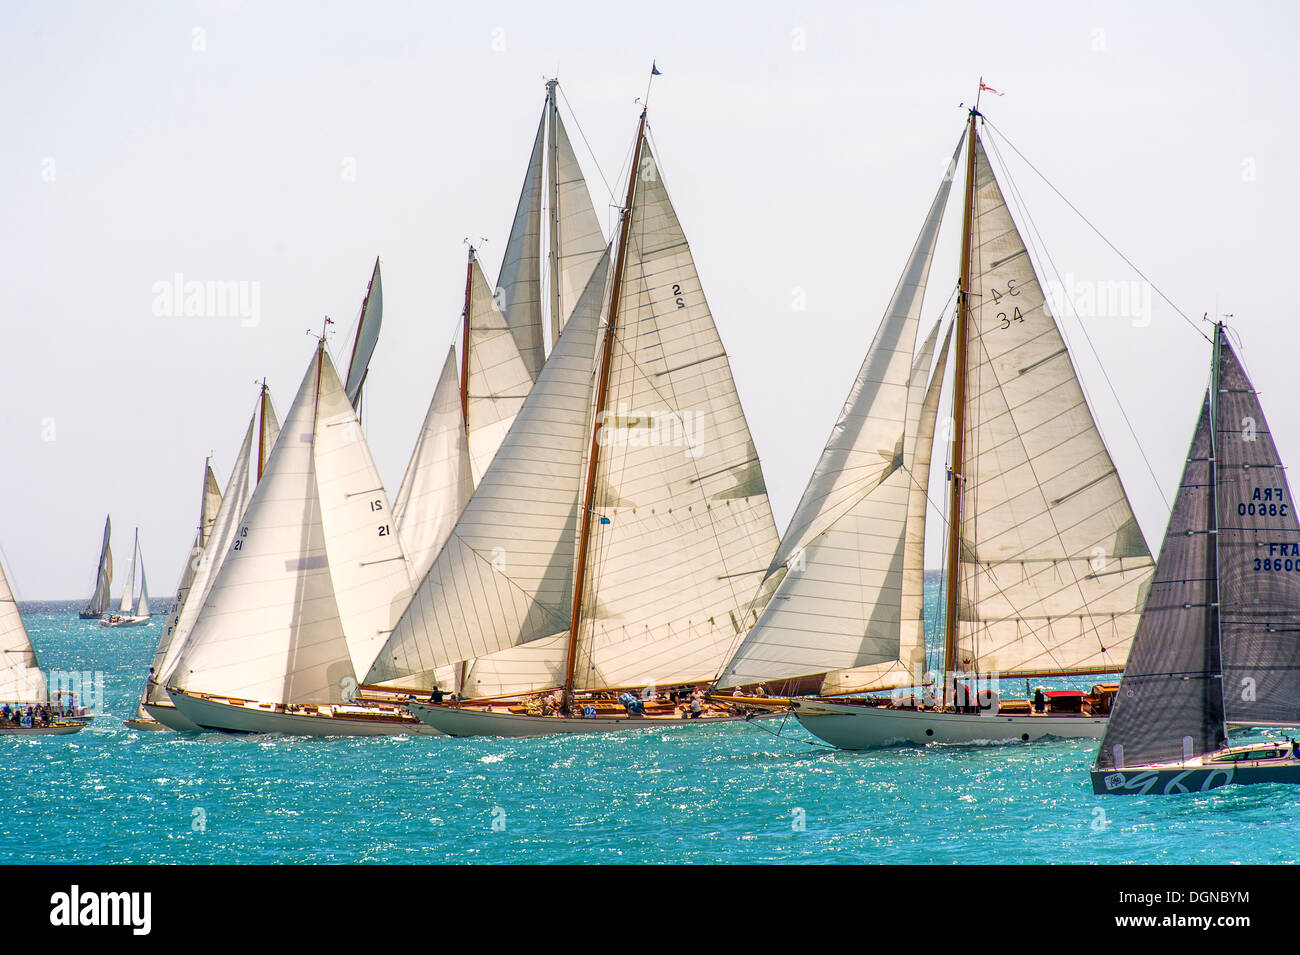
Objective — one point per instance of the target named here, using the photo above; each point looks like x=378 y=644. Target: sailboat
x=24 y=696
x=100 y=600
x=219 y=517
x=610 y=547
x=129 y=615
x=308 y=589
x=1046 y=568
x=1217 y=646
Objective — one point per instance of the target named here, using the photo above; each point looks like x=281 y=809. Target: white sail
x=838 y=604
x=519 y=282
x=684 y=529
x=581 y=242
x=438 y=483
x=142 y=605
x=270 y=431
x=128 y=589
x=505 y=574
x=909 y=668
x=205 y=562
x=368 y=325
x=1054 y=568
x=21 y=680
x=367 y=569
x=269 y=629
x=499 y=377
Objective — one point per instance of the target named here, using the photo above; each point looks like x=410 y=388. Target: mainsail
x=315 y=576
x=1053 y=568
x=100 y=600
x=838 y=604
x=363 y=346
x=21 y=680
x=554 y=190
x=128 y=590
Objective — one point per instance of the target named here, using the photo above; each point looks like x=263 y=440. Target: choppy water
x=729 y=793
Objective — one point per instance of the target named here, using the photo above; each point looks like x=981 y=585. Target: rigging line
x=591 y=152
x=1112 y=246
x=1079 y=321
x=789 y=739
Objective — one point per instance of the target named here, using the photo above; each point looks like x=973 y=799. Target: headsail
x=504 y=576
x=128 y=589
x=840 y=562
x=437 y=483
x=142 y=605
x=1053 y=566
x=363 y=347
x=1170 y=700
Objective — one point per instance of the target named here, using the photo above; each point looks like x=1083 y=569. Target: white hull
x=170 y=718
x=58 y=729
x=252 y=718
x=849 y=726
x=472 y=722
x=124 y=621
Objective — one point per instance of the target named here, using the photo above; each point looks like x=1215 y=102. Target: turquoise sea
x=731 y=793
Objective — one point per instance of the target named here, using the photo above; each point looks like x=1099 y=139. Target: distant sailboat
x=24 y=694
x=132 y=611
x=308 y=589
x=1046 y=568
x=100 y=600
x=219 y=517
x=1217 y=645
x=605 y=548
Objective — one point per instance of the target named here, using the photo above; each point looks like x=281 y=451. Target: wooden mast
x=464 y=342
x=553 y=170
x=261 y=432
x=956 y=472
x=602 y=393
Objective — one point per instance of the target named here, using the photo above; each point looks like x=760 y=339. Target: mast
x=464 y=340
x=602 y=393
x=956 y=475
x=1214 y=634
x=261 y=432
x=553 y=171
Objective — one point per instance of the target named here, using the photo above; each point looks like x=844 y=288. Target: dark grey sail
x=1259 y=560
x=363 y=347
x=100 y=600
x=1170 y=702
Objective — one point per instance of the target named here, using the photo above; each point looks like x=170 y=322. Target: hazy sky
x=288 y=144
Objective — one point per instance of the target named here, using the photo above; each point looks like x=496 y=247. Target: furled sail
x=363 y=347
x=581 y=242
x=1258 y=558
x=838 y=604
x=682 y=530
x=505 y=574
x=438 y=482
x=519 y=283
x=1053 y=566
x=100 y=600
x=315 y=574
x=21 y=679
x=499 y=376
x=1170 y=701
x=205 y=564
